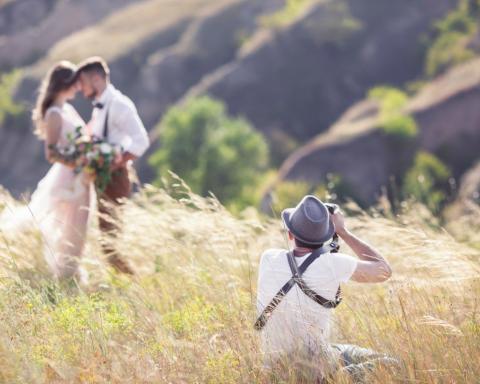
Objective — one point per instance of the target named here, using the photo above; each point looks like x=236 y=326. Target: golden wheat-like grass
x=187 y=317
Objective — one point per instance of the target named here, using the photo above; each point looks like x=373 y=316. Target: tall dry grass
x=187 y=317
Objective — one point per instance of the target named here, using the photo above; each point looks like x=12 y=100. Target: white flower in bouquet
x=106 y=148
x=90 y=156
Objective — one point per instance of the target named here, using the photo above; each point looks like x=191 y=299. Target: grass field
x=187 y=317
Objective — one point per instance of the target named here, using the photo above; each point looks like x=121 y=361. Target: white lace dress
x=59 y=207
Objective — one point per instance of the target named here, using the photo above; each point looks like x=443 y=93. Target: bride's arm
x=53 y=128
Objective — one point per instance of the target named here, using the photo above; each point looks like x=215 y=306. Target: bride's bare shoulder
x=53 y=110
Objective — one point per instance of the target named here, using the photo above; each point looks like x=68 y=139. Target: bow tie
x=98 y=105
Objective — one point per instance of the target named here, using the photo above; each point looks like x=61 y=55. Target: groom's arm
x=127 y=120
x=133 y=127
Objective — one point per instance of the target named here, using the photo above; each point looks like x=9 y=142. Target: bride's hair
x=59 y=78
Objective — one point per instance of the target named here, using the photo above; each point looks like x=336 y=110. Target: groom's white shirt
x=125 y=128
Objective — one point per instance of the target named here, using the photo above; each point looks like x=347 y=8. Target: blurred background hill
x=352 y=98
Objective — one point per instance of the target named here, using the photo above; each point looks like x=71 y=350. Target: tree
x=211 y=151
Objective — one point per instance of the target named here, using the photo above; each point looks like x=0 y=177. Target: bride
x=60 y=205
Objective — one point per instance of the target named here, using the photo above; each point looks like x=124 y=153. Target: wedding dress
x=59 y=207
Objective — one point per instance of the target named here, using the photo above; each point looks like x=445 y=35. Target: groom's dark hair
x=94 y=64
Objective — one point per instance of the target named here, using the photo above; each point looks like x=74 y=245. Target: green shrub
x=427 y=181
x=452 y=36
x=290 y=11
x=392 y=116
x=8 y=107
x=289 y=193
x=337 y=24
x=448 y=49
x=211 y=151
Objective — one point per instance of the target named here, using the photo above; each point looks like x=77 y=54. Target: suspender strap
x=262 y=319
x=320 y=299
x=105 y=126
x=297 y=273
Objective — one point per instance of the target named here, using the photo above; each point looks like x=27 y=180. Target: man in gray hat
x=297 y=290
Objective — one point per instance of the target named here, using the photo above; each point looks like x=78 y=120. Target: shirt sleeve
x=344 y=266
x=128 y=121
x=260 y=282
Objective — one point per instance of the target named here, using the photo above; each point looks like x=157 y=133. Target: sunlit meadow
x=187 y=317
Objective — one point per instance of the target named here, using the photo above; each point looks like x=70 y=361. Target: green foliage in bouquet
x=211 y=151
x=88 y=154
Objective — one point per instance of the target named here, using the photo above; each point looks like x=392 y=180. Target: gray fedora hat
x=309 y=221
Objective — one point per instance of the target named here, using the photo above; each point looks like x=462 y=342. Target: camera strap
x=297 y=272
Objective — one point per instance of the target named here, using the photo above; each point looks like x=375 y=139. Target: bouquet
x=89 y=154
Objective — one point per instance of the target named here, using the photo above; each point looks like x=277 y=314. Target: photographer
x=298 y=289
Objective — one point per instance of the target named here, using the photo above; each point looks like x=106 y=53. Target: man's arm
x=372 y=266
x=131 y=124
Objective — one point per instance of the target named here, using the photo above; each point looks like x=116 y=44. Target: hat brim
x=286 y=214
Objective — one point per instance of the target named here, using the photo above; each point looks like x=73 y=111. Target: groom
x=115 y=119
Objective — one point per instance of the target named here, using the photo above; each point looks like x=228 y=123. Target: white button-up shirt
x=125 y=128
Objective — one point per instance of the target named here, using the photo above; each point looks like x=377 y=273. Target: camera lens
x=331 y=208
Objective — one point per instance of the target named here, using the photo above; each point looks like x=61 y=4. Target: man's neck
x=300 y=251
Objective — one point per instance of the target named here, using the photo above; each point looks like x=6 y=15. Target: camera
x=331 y=207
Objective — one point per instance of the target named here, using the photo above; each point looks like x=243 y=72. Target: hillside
x=188 y=316
x=318 y=64
x=365 y=156
x=28 y=28
x=168 y=50
x=313 y=70
x=464 y=211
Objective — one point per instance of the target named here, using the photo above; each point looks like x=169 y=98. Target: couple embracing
x=62 y=203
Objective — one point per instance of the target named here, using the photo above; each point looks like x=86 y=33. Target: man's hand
x=121 y=160
x=338 y=221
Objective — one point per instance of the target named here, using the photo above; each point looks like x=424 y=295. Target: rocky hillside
x=28 y=28
x=365 y=156
x=300 y=79
x=167 y=51
x=292 y=81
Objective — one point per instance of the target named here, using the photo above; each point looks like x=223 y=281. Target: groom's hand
x=122 y=160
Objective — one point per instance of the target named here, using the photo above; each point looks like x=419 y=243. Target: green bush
x=211 y=151
x=448 y=49
x=392 y=116
x=452 y=36
x=8 y=107
x=287 y=14
x=427 y=181
x=289 y=193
